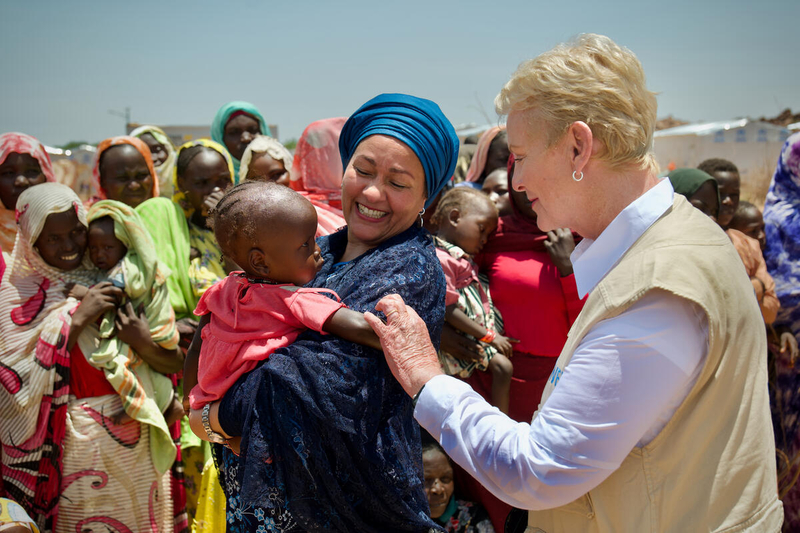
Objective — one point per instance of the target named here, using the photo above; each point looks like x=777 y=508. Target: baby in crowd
x=268 y=230
x=465 y=217
x=121 y=248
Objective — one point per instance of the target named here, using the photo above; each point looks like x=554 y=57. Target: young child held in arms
x=465 y=217
x=121 y=248
x=268 y=230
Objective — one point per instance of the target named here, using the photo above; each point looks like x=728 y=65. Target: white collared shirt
x=624 y=382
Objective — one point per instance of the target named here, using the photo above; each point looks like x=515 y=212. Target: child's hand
x=559 y=245
x=75 y=291
x=132 y=329
x=503 y=345
x=212 y=200
x=789 y=347
x=121 y=418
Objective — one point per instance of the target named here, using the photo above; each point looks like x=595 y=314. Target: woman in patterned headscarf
x=64 y=457
x=782 y=226
x=23 y=163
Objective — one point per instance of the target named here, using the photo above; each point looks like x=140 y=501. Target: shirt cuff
x=436 y=400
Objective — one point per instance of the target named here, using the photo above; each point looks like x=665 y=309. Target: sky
x=67 y=65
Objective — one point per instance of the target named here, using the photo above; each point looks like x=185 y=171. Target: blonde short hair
x=594 y=80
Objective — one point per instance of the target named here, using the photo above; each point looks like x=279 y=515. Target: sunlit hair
x=594 y=80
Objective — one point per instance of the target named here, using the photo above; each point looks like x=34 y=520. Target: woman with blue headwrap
x=235 y=125
x=328 y=439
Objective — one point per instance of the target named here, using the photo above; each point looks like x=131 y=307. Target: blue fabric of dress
x=329 y=442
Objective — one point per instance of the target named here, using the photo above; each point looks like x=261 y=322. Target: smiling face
x=265 y=168
x=542 y=172
x=729 y=186
x=383 y=191
x=207 y=171
x=105 y=250
x=439 y=484
x=124 y=175
x=17 y=173
x=239 y=132
x=157 y=150
x=62 y=242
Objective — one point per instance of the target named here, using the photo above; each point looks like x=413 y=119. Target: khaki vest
x=712 y=467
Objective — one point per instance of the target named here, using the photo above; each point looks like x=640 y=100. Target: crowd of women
x=101 y=302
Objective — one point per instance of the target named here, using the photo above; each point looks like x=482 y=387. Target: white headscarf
x=265 y=145
x=165 y=170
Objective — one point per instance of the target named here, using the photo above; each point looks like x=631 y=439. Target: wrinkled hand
x=132 y=328
x=789 y=347
x=560 y=244
x=406 y=344
x=503 y=345
x=459 y=346
x=212 y=200
x=98 y=299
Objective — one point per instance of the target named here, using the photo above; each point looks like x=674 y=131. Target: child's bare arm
x=351 y=325
x=191 y=360
x=459 y=320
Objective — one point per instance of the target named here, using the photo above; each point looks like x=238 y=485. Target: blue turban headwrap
x=418 y=123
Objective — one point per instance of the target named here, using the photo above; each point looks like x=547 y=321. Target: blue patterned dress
x=782 y=226
x=329 y=440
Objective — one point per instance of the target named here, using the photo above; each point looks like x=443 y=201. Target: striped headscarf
x=35 y=320
x=222 y=118
x=19 y=143
x=140 y=146
x=144 y=392
x=165 y=169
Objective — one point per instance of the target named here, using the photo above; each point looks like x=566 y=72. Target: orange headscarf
x=140 y=146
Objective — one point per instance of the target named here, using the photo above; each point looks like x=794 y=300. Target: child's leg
x=502 y=370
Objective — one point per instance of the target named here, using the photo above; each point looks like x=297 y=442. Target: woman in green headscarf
x=235 y=125
x=699 y=187
x=188 y=248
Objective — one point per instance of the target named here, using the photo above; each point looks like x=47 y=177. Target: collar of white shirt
x=593 y=259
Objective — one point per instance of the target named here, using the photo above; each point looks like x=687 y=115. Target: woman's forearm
x=160 y=359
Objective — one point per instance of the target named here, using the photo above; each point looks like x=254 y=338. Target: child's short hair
x=461 y=198
x=716 y=164
x=245 y=208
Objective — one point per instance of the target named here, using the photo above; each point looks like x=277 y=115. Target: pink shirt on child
x=249 y=321
x=459 y=273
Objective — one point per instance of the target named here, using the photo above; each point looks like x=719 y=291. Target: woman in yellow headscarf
x=187 y=246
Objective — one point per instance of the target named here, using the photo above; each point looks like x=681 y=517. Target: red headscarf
x=515 y=232
x=140 y=146
x=317 y=171
x=19 y=143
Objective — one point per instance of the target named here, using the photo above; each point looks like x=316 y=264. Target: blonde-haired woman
x=656 y=415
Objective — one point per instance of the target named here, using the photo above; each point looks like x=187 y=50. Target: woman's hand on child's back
x=98 y=299
x=504 y=345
